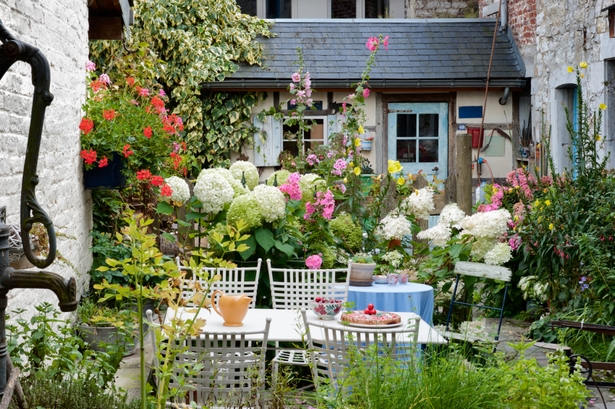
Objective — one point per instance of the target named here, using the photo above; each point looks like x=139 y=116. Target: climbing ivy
x=191 y=42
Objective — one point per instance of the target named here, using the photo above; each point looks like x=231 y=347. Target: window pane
x=376 y=8
x=428 y=150
x=406 y=150
x=311 y=139
x=278 y=9
x=247 y=7
x=406 y=125
x=343 y=9
x=428 y=124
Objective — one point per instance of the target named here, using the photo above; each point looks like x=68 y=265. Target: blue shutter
x=334 y=125
x=267 y=141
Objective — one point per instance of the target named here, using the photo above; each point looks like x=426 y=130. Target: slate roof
x=447 y=53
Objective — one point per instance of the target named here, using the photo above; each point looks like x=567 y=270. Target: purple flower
x=312 y=159
x=90 y=66
x=104 y=78
x=296 y=77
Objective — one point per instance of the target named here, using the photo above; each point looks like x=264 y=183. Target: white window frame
x=395 y=7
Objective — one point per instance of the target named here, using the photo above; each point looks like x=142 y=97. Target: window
x=278 y=9
x=248 y=7
x=343 y=9
x=312 y=139
x=566 y=110
x=376 y=8
x=421 y=146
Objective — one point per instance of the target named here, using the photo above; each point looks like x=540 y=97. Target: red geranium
x=157 y=180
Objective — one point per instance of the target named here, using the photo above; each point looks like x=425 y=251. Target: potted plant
x=126 y=132
x=362 y=269
x=102 y=326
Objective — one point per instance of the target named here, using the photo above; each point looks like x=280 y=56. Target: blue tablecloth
x=411 y=297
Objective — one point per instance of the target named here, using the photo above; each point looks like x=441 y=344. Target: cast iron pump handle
x=13 y=50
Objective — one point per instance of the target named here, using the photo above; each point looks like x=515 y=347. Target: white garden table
x=287 y=325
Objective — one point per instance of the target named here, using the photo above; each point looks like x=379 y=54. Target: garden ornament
x=11 y=51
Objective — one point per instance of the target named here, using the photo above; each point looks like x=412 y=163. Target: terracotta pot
x=394 y=243
x=361 y=274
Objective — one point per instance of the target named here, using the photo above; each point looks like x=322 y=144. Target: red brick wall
x=521 y=19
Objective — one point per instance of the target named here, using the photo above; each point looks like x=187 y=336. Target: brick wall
x=521 y=19
x=59 y=29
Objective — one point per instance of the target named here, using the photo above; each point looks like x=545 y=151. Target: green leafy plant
x=47 y=347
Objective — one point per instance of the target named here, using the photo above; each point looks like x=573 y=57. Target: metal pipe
x=504 y=98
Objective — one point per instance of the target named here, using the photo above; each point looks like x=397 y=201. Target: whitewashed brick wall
x=59 y=29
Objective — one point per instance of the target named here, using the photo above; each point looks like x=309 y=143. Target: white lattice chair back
x=332 y=348
x=233 y=368
x=295 y=288
x=239 y=280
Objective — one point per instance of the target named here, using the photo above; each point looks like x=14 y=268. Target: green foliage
x=47 y=347
x=447 y=379
x=347 y=232
x=103 y=247
x=192 y=42
x=71 y=393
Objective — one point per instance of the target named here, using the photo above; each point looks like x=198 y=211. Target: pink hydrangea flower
x=313 y=262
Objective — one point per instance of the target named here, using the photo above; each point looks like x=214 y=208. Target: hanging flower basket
x=108 y=177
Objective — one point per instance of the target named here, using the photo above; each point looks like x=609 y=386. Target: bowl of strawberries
x=326 y=308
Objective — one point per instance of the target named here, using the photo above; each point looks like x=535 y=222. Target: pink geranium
x=313 y=262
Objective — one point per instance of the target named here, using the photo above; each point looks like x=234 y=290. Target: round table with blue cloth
x=410 y=297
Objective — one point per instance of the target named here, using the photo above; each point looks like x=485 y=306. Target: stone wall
x=442 y=8
x=59 y=29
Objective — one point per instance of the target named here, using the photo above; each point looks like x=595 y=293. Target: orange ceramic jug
x=232 y=308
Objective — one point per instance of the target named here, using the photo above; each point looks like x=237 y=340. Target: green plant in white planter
x=105 y=328
x=362 y=269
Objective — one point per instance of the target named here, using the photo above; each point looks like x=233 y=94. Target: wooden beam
x=105 y=28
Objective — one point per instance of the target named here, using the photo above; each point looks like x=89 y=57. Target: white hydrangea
x=480 y=247
x=394 y=226
x=439 y=235
x=419 y=203
x=394 y=258
x=245 y=169
x=214 y=191
x=238 y=188
x=271 y=202
x=487 y=224
x=180 y=189
x=451 y=214
x=498 y=255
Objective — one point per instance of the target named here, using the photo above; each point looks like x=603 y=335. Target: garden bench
x=587 y=365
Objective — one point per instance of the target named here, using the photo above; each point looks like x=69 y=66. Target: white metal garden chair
x=231 y=368
x=333 y=346
x=239 y=280
x=296 y=289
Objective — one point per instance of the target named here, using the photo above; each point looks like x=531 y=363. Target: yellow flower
x=401 y=181
x=548 y=202
x=516 y=218
x=583 y=64
x=394 y=166
x=570 y=69
x=345 y=180
x=545 y=190
x=550 y=226
x=357 y=171
x=357 y=142
x=598 y=137
x=582 y=75
x=602 y=107
x=537 y=203
x=510 y=189
x=361 y=130
x=351 y=164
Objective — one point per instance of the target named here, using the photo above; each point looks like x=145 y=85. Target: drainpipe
x=504 y=14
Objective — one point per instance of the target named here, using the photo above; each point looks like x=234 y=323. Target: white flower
x=439 y=235
x=394 y=226
x=451 y=214
x=498 y=255
x=419 y=203
x=308 y=184
x=491 y=224
x=214 y=191
x=238 y=188
x=181 y=191
x=394 y=258
x=246 y=170
x=271 y=202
